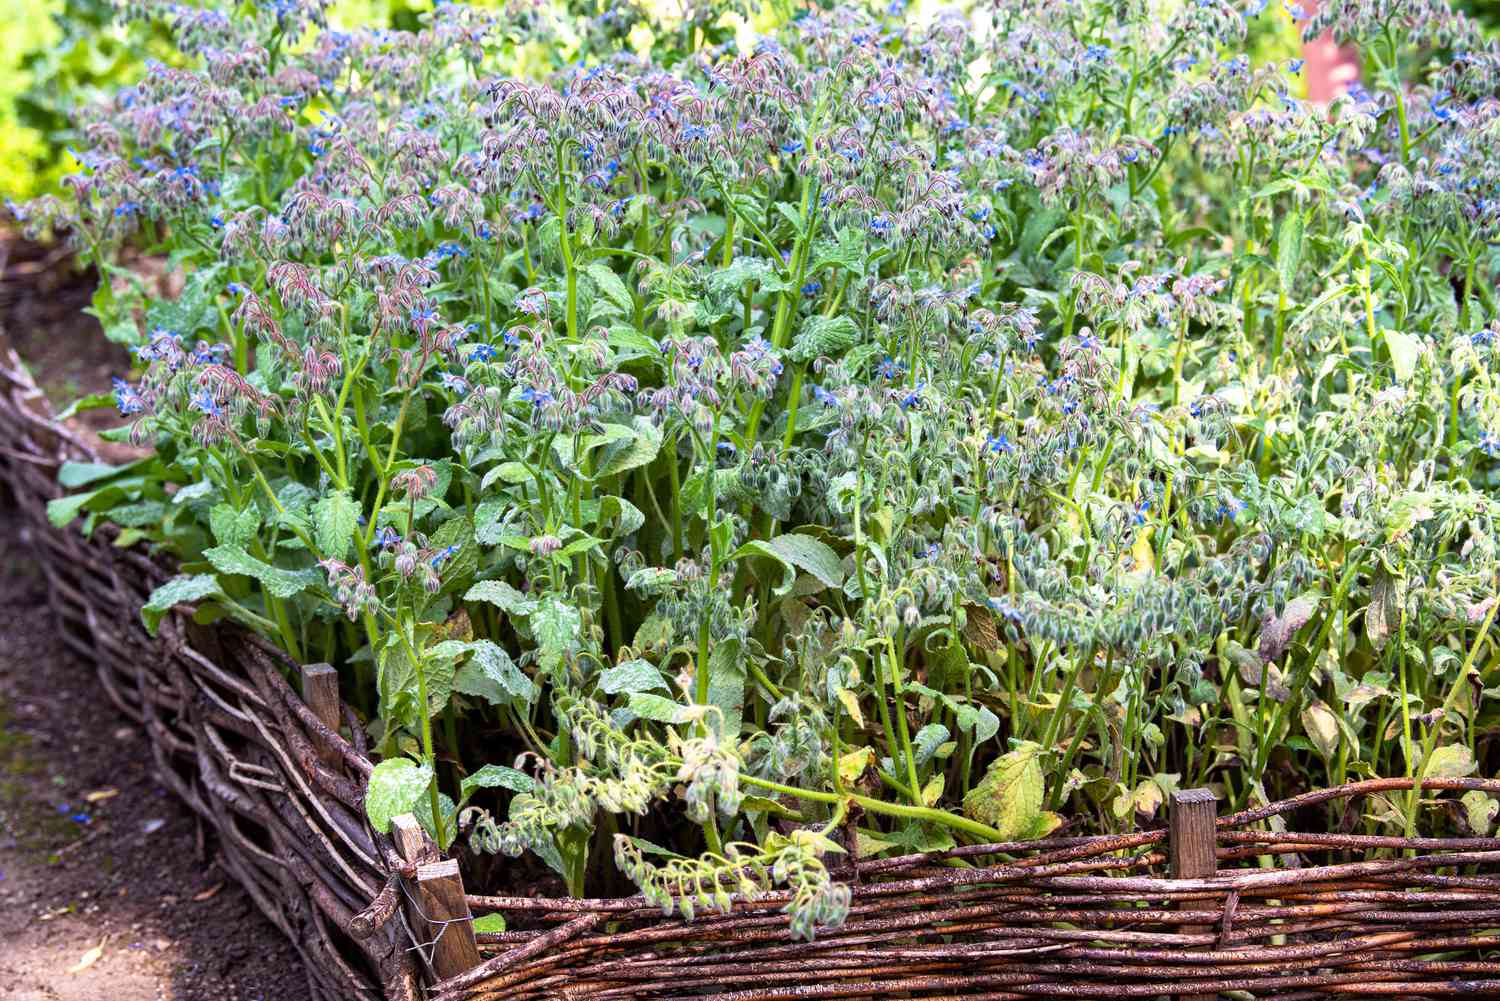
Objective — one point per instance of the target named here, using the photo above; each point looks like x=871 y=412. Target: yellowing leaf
x=1145 y=556
x=1009 y=797
x=933 y=790
x=853 y=764
x=850 y=702
x=1450 y=762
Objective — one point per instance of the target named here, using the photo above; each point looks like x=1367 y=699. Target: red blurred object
x=1329 y=67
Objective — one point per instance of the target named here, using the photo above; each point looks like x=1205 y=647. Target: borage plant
x=888 y=433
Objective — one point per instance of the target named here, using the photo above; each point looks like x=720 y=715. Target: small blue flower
x=421 y=316
x=913 y=397
x=203 y=401
x=456 y=383
x=1483 y=338
x=812 y=288
x=824 y=397
x=483 y=352
x=999 y=444
x=1230 y=507
x=889 y=369
x=1141 y=510
x=442 y=556
x=880 y=226
x=127 y=399
x=386 y=537
x=235 y=288
x=536 y=397
x=1489 y=444
x=792 y=147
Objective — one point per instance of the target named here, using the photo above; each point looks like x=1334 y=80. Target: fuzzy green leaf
x=396 y=786
x=797 y=552
x=556 y=625
x=334 y=518
x=632 y=676
x=824 y=335
x=179 y=590
x=495 y=777
x=278 y=582
x=502 y=596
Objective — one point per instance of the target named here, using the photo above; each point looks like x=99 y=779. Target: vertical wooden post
x=439 y=913
x=1192 y=848
x=320 y=690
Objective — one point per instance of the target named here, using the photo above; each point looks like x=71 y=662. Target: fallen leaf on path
x=210 y=892
x=89 y=958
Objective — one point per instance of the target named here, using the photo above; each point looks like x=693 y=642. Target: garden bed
x=1065 y=917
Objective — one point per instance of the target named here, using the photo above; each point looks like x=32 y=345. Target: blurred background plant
x=56 y=55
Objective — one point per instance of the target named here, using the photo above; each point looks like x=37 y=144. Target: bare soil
x=109 y=889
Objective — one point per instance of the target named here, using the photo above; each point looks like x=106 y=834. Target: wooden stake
x=320 y=690
x=440 y=889
x=412 y=843
x=1192 y=848
x=436 y=906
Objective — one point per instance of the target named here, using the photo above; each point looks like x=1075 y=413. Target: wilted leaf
x=88 y=958
x=1479 y=812
x=1276 y=632
x=1322 y=728
x=1383 y=614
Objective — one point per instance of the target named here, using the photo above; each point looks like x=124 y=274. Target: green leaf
x=73 y=475
x=663 y=710
x=619 y=517
x=928 y=740
x=798 y=552
x=279 y=583
x=824 y=335
x=335 y=518
x=495 y=777
x=491 y=675
x=1009 y=797
x=396 y=786
x=183 y=589
x=502 y=596
x=632 y=676
x=556 y=625
x=1479 y=812
x=611 y=287
x=638 y=446
x=489 y=924
x=1289 y=250
x=233 y=527
x=1405 y=350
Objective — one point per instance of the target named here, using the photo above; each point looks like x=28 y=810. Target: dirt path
x=94 y=853
x=108 y=889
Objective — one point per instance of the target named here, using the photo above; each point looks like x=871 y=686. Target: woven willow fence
x=1210 y=906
